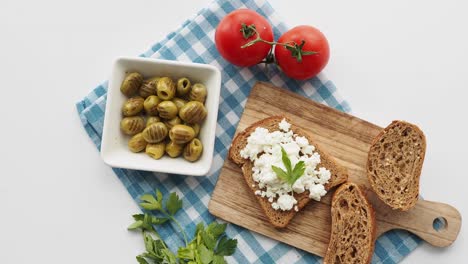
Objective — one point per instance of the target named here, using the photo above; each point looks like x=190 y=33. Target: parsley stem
x=180 y=228
x=178 y=225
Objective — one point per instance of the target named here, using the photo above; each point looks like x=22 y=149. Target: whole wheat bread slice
x=394 y=164
x=353 y=227
x=279 y=218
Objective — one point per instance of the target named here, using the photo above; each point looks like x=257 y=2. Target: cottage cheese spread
x=264 y=150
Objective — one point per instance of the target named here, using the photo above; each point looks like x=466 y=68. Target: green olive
x=193 y=150
x=196 y=128
x=183 y=86
x=167 y=110
x=193 y=112
x=181 y=134
x=155 y=133
x=137 y=143
x=131 y=84
x=148 y=87
x=198 y=93
x=132 y=106
x=156 y=151
x=174 y=150
x=179 y=102
x=151 y=105
x=132 y=125
x=152 y=119
x=166 y=88
x=172 y=122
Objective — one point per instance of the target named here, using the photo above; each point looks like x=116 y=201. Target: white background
x=60 y=204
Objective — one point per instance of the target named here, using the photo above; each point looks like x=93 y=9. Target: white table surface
x=60 y=204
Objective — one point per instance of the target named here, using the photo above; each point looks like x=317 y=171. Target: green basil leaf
x=173 y=203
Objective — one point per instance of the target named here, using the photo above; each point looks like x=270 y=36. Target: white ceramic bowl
x=114 y=149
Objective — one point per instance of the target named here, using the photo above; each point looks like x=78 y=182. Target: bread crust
x=278 y=218
x=335 y=241
x=397 y=201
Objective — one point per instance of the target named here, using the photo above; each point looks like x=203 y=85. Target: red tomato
x=308 y=65
x=230 y=36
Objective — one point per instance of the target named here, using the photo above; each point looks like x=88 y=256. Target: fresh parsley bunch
x=209 y=244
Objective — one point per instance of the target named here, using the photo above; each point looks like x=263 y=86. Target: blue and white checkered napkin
x=193 y=41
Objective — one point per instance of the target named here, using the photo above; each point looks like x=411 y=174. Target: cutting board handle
x=436 y=223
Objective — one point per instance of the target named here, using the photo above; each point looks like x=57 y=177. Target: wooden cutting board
x=345 y=137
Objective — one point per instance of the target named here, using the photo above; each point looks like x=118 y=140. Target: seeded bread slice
x=394 y=164
x=353 y=227
x=279 y=218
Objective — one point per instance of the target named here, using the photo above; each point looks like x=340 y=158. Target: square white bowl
x=114 y=149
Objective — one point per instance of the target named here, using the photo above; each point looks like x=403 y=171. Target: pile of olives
x=163 y=116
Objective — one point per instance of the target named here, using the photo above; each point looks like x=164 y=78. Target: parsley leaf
x=173 y=204
x=146 y=222
x=226 y=246
x=208 y=240
x=150 y=202
x=186 y=253
x=216 y=229
x=141 y=260
x=297 y=172
x=137 y=217
x=169 y=256
x=159 y=196
x=286 y=160
x=280 y=173
x=158 y=220
x=219 y=260
x=290 y=175
x=137 y=224
x=206 y=255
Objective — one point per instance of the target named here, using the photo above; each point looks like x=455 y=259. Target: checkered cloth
x=193 y=41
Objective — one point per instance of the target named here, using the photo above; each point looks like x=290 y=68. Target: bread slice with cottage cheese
x=353 y=229
x=279 y=218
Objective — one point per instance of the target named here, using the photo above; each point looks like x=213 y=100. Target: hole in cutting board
x=439 y=224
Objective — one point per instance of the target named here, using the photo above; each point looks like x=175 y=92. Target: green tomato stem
x=247 y=31
x=296 y=50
